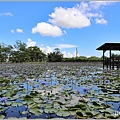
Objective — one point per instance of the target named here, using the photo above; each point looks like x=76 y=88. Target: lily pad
x=62 y=113
x=17 y=104
x=37 y=100
x=25 y=112
x=2 y=109
x=8 y=103
x=36 y=111
x=112 y=116
x=50 y=110
x=2 y=116
x=80 y=113
x=89 y=113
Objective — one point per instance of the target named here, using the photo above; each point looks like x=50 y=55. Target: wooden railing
x=112 y=63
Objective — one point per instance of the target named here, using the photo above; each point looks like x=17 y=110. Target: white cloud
x=100 y=21
x=61 y=46
x=93 y=5
x=79 y=16
x=93 y=9
x=69 y=18
x=83 y=7
x=69 y=55
x=41 y=45
x=98 y=4
x=90 y=15
x=19 y=30
x=30 y=43
x=46 y=49
x=46 y=29
x=12 y=31
x=74 y=54
x=6 y=14
x=64 y=32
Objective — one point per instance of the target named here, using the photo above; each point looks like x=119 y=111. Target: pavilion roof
x=109 y=46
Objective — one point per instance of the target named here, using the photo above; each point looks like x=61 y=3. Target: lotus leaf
x=83 y=100
x=25 y=112
x=2 y=109
x=63 y=113
x=48 y=105
x=112 y=116
x=61 y=102
x=80 y=113
x=95 y=113
x=73 y=109
x=89 y=113
x=32 y=105
x=16 y=104
x=35 y=111
x=96 y=103
x=100 y=116
x=50 y=110
x=38 y=100
x=109 y=110
x=8 y=103
x=61 y=96
x=72 y=113
x=2 y=116
x=27 y=101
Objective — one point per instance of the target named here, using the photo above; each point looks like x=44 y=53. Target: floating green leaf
x=2 y=116
x=62 y=113
x=2 y=109
x=17 y=104
x=36 y=111
x=80 y=113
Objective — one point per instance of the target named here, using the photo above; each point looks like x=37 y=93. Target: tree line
x=19 y=52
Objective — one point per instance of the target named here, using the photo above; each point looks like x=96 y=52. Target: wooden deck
x=112 y=61
x=112 y=64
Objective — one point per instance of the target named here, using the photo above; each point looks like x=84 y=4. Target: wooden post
x=110 y=59
x=107 y=62
x=118 y=63
x=113 y=62
x=103 y=59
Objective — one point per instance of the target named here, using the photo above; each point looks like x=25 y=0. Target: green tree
x=5 y=52
x=35 y=54
x=55 y=56
x=20 y=46
x=94 y=58
x=82 y=58
x=19 y=54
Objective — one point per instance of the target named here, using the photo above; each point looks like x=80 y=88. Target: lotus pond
x=59 y=90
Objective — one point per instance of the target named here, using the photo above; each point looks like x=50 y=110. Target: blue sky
x=64 y=25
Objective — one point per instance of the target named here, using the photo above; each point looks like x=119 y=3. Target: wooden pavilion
x=111 y=61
